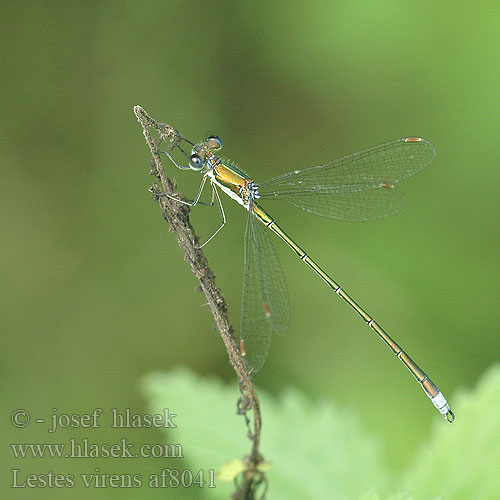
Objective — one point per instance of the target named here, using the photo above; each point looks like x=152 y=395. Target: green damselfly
x=359 y=186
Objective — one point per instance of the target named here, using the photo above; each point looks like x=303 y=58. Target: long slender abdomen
x=432 y=391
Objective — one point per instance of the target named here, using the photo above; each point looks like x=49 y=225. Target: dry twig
x=177 y=216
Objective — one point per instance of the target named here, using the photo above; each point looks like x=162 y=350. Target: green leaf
x=230 y=470
x=462 y=460
x=317 y=450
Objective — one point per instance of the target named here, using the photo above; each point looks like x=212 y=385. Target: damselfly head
x=214 y=143
x=198 y=156
x=195 y=162
x=203 y=151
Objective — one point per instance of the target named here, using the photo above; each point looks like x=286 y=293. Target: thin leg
x=196 y=199
x=171 y=158
x=206 y=203
x=223 y=215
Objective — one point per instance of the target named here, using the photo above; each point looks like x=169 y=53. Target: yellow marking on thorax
x=229 y=178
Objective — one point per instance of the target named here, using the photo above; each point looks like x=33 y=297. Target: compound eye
x=214 y=142
x=195 y=162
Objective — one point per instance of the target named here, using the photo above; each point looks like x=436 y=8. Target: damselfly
x=360 y=186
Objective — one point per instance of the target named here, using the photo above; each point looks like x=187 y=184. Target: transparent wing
x=359 y=186
x=361 y=205
x=265 y=304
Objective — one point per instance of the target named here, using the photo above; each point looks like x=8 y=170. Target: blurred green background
x=95 y=292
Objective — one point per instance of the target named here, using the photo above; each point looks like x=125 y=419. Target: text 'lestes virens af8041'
x=360 y=186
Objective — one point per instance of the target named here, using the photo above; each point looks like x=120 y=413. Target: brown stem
x=177 y=215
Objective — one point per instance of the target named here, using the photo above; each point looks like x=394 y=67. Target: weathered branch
x=177 y=215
